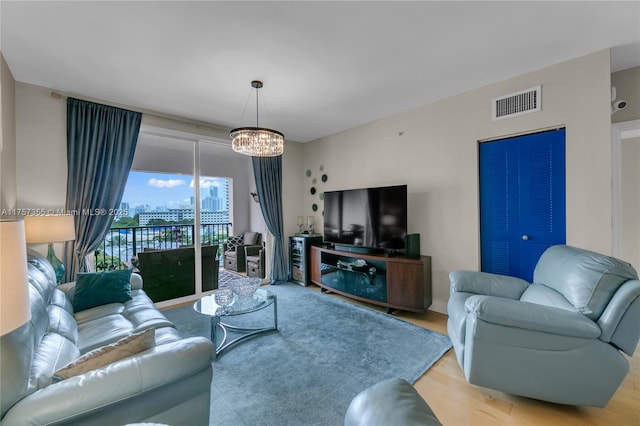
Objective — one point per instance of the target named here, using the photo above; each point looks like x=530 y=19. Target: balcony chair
x=234 y=257
x=558 y=339
x=255 y=261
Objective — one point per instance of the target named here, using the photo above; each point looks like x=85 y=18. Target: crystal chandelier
x=257 y=141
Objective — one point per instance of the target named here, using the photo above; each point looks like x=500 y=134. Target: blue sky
x=163 y=189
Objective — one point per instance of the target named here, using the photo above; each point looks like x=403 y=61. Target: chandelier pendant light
x=257 y=141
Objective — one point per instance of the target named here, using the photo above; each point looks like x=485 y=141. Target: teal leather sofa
x=169 y=383
x=559 y=339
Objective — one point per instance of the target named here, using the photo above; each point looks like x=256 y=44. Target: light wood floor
x=456 y=402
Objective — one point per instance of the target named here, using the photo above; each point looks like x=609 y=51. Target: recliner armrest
x=487 y=284
x=619 y=321
x=125 y=379
x=391 y=402
x=530 y=316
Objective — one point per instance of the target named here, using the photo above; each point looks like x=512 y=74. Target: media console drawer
x=395 y=282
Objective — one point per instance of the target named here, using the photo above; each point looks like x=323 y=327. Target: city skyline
x=171 y=191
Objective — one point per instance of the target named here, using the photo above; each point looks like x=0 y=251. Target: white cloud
x=165 y=183
x=205 y=183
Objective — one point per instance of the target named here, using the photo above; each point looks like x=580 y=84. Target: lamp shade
x=14 y=290
x=49 y=229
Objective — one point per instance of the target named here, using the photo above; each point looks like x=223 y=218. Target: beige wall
x=630 y=150
x=434 y=150
x=42 y=148
x=8 y=189
x=41 y=176
x=627 y=84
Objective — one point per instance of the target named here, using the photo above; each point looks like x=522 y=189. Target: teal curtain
x=101 y=142
x=267 y=172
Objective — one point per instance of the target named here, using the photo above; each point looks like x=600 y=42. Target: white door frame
x=619 y=132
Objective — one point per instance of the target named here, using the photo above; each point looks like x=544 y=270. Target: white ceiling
x=326 y=66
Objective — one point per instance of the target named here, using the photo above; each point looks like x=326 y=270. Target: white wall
x=630 y=150
x=8 y=186
x=434 y=150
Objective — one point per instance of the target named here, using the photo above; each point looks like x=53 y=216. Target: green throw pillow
x=99 y=288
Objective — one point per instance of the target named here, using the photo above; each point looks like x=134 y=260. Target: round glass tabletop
x=237 y=304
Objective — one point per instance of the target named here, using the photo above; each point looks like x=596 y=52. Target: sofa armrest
x=136 y=281
x=391 y=402
x=529 y=316
x=487 y=284
x=69 y=289
x=127 y=379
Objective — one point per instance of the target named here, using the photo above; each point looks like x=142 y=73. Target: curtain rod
x=199 y=124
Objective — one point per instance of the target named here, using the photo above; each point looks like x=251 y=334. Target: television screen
x=369 y=217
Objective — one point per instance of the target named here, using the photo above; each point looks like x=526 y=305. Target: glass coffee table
x=221 y=304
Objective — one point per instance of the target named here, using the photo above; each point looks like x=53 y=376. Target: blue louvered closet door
x=522 y=201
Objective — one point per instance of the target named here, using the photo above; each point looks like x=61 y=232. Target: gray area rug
x=325 y=352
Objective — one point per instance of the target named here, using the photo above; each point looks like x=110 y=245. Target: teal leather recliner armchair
x=559 y=339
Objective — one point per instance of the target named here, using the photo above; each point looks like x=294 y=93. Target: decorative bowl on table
x=224 y=297
x=245 y=287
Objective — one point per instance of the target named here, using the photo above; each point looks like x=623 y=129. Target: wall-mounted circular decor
x=314 y=207
x=308 y=173
x=321 y=168
x=324 y=178
x=321 y=195
x=314 y=181
x=313 y=190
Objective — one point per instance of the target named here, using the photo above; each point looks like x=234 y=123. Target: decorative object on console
x=50 y=229
x=300 y=224
x=310 y=221
x=14 y=303
x=257 y=141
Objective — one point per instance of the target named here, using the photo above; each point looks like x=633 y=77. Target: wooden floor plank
x=456 y=402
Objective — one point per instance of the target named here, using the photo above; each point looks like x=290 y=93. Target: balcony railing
x=121 y=245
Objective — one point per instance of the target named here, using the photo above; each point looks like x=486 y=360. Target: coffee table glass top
x=238 y=305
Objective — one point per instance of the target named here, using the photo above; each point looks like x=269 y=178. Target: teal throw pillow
x=99 y=288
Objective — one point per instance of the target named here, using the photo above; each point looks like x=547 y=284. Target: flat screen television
x=367 y=219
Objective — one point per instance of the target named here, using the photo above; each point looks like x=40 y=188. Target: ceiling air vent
x=514 y=104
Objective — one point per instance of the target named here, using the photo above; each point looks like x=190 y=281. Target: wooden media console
x=392 y=281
